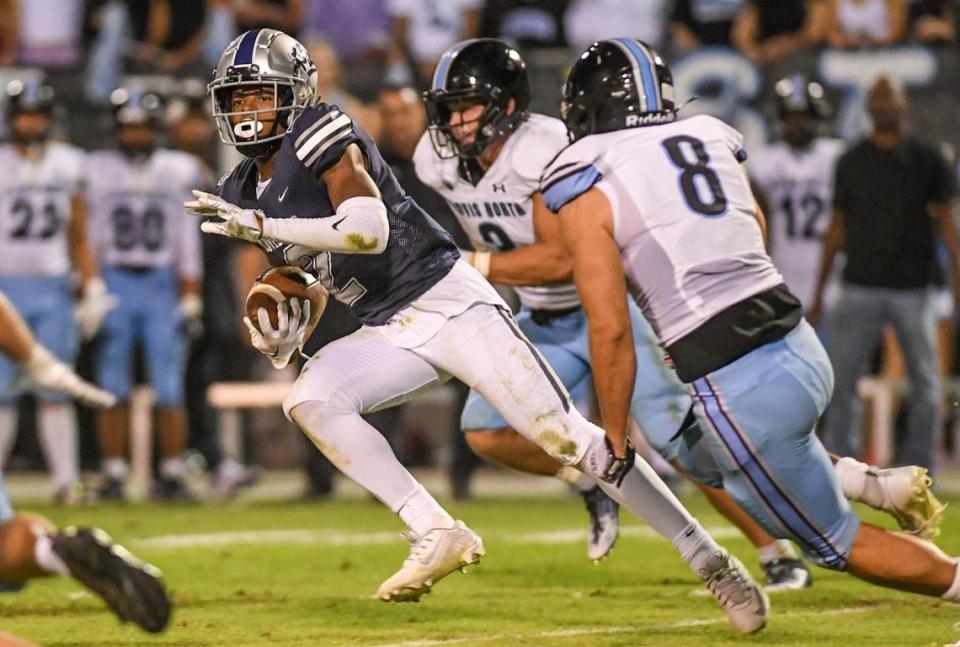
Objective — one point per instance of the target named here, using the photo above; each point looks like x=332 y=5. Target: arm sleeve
x=360 y=226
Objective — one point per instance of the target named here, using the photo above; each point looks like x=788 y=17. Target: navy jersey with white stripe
x=419 y=253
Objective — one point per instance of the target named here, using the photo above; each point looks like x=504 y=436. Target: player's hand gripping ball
x=279 y=284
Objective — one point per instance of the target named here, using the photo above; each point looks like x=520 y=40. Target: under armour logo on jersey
x=499 y=187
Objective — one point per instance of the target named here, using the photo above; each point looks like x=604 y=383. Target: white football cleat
x=907 y=496
x=744 y=602
x=433 y=556
x=604 y=523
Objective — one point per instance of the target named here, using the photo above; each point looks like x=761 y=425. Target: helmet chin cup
x=258 y=150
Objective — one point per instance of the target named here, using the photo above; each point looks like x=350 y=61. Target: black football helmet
x=30 y=96
x=482 y=70
x=136 y=106
x=615 y=84
x=795 y=94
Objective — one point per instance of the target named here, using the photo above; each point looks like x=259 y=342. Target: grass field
x=273 y=573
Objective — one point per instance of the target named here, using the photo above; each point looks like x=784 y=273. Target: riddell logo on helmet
x=649 y=118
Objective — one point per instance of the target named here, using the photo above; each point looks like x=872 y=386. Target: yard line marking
x=337 y=537
x=599 y=631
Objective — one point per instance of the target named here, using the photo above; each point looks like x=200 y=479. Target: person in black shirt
x=891 y=199
x=699 y=23
x=769 y=30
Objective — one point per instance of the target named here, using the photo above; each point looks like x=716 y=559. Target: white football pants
x=473 y=337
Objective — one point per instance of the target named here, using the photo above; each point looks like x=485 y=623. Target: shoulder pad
x=320 y=136
x=427 y=163
x=541 y=138
x=570 y=174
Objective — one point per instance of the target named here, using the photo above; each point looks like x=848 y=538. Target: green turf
x=316 y=592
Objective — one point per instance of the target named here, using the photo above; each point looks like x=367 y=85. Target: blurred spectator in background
x=156 y=36
x=404 y=122
x=423 y=29
x=853 y=24
x=219 y=29
x=892 y=194
x=48 y=32
x=8 y=32
x=769 y=30
x=698 y=23
x=587 y=21
x=932 y=21
x=285 y=15
x=359 y=31
x=527 y=24
x=167 y=34
x=330 y=91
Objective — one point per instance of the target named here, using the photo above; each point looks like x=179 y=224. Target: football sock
x=46 y=559
x=953 y=593
x=361 y=452
x=57 y=429
x=858 y=483
x=115 y=468
x=779 y=549
x=696 y=546
x=8 y=432
x=421 y=512
x=643 y=493
x=583 y=482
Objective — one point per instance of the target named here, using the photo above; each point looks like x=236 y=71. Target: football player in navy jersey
x=315 y=192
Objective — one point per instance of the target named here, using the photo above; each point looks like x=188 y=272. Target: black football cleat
x=131 y=588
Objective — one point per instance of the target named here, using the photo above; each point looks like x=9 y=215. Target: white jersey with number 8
x=684 y=216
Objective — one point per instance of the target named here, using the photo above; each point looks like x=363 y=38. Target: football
x=277 y=285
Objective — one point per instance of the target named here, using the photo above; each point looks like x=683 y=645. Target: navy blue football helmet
x=615 y=84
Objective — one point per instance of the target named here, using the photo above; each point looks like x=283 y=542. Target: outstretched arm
x=586 y=224
x=545 y=261
x=359 y=225
x=42 y=368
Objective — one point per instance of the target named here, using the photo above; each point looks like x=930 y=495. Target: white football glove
x=44 y=371
x=235 y=222
x=93 y=307
x=280 y=344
